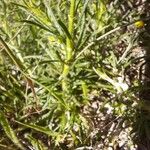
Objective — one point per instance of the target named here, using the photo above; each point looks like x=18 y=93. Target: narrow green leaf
x=52 y=17
x=65 y=29
x=40 y=129
x=14 y=59
x=9 y=131
x=37 y=13
x=82 y=23
x=37 y=144
x=82 y=31
x=85 y=91
x=18 y=5
x=37 y=24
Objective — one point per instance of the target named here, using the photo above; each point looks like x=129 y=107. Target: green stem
x=69 y=45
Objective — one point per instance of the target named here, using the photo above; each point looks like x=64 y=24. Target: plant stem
x=69 y=45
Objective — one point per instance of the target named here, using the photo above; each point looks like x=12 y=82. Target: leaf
x=37 y=24
x=52 y=17
x=105 y=77
x=37 y=13
x=22 y=6
x=37 y=144
x=65 y=29
x=9 y=52
x=82 y=23
x=9 y=131
x=85 y=91
x=40 y=129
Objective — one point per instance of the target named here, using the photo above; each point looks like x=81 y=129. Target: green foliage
x=9 y=131
x=53 y=55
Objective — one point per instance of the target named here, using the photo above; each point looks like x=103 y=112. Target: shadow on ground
x=142 y=125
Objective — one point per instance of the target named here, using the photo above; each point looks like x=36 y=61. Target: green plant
x=54 y=55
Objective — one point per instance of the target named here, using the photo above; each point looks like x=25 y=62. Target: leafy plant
x=56 y=58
